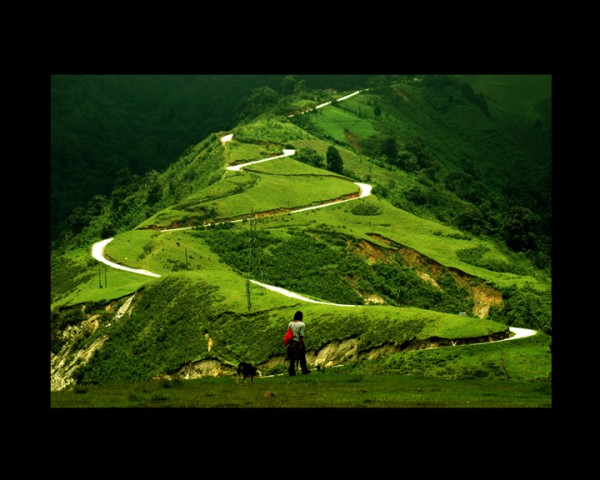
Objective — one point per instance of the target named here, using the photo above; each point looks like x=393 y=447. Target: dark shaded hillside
x=107 y=129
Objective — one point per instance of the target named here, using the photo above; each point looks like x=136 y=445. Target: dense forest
x=107 y=128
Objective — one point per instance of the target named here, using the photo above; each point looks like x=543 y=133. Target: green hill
x=452 y=246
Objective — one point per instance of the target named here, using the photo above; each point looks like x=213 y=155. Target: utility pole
x=248 y=293
x=260 y=266
x=252 y=235
x=260 y=269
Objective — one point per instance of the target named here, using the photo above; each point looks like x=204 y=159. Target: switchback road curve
x=365 y=191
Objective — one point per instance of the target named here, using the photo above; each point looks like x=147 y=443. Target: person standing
x=296 y=350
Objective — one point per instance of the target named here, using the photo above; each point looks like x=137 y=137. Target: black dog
x=246 y=370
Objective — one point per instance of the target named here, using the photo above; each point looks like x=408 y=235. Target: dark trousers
x=297 y=353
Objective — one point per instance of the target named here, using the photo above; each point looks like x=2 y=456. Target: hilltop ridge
x=239 y=210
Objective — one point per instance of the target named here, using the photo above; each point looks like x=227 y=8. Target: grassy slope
x=166 y=330
x=430 y=238
x=167 y=252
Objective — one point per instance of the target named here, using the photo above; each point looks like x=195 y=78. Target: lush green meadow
x=337 y=124
x=273 y=192
x=239 y=152
x=165 y=252
x=84 y=279
x=430 y=238
x=320 y=389
x=269 y=129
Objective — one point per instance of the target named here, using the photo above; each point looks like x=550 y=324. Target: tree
x=288 y=84
x=309 y=156
x=300 y=86
x=389 y=148
x=407 y=161
x=517 y=229
x=419 y=149
x=259 y=101
x=334 y=160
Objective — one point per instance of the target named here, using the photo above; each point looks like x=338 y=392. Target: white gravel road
x=237 y=168
x=341 y=99
x=98 y=254
x=519 y=333
x=297 y=296
x=365 y=191
x=516 y=332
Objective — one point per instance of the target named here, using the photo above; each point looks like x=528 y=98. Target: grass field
x=320 y=389
x=238 y=152
x=428 y=237
x=269 y=130
x=289 y=167
x=335 y=121
x=273 y=192
x=95 y=282
x=167 y=252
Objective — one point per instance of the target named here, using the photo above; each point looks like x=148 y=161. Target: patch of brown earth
x=483 y=296
x=427 y=278
x=65 y=363
x=205 y=368
x=68 y=360
x=372 y=299
x=150 y=227
x=334 y=354
x=371 y=252
x=352 y=139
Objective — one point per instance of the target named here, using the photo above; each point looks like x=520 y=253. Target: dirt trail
x=98 y=254
x=365 y=191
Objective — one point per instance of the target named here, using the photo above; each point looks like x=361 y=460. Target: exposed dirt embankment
x=483 y=296
x=65 y=363
x=331 y=355
x=94 y=330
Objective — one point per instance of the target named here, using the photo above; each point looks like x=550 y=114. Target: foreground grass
x=321 y=389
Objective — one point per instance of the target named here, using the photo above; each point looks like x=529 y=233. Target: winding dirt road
x=365 y=191
x=98 y=254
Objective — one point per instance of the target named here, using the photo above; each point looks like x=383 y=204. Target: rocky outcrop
x=71 y=357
